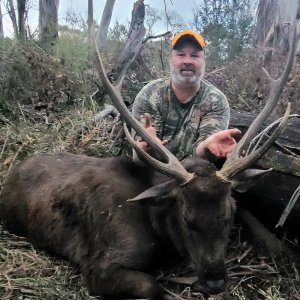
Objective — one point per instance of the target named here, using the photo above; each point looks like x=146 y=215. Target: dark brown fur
x=76 y=207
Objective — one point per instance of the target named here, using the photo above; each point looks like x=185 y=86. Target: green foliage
x=227 y=27
x=116 y=39
x=118 y=32
x=30 y=76
x=73 y=48
x=14 y=73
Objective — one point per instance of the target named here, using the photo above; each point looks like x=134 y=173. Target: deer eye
x=190 y=223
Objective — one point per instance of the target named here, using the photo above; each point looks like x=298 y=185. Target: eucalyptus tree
x=18 y=22
x=48 y=22
x=12 y=14
x=90 y=20
x=22 y=12
x=1 y=24
x=273 y=20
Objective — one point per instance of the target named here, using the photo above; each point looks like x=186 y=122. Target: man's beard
x=180 y=79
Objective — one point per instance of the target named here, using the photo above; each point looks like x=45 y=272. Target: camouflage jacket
x=183 y=125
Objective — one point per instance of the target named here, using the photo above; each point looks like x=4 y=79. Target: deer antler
x=172 y=166
x=237 y=162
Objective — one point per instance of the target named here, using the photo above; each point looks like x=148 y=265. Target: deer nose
x=216 y=286
x=214 y=277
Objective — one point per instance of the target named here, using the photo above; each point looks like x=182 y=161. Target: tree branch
x=150 y=37
x=264 y=236
x=133 y=44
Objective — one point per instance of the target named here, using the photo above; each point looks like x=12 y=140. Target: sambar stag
x=76 y=206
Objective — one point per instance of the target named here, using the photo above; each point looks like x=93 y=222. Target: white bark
x=12 y=14
x=273 y=16
x=48 y=21
x=105 y=21
x=90 y=20
x=1 y=24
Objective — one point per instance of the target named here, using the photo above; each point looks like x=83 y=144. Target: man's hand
x=152 y=131
x=219 y=144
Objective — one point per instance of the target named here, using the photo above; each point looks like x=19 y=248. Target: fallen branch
x=264 y=236
x=109 y=110
x=133 y=44
x=289 y=207
x=173 y=294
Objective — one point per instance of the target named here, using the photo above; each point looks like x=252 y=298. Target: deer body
x=76 y=207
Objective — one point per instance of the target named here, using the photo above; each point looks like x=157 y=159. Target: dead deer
x=77 y=207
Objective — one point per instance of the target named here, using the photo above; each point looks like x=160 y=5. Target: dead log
x=131 y=48
x=270 y=195
x=263 y=236
x=133 y=44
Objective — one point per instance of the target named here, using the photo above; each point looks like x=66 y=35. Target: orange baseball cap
x=197 y=37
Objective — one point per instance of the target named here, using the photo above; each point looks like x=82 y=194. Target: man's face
x=187 y=66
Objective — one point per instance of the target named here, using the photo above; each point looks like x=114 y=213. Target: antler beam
x=237 y=160
x=172 y=167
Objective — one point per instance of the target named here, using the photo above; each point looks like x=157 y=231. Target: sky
x=122 y=11
x=122 y=8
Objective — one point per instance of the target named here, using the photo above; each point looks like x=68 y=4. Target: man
x=185 y=112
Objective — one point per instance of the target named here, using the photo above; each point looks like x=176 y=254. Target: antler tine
x=235 y=162
x=158 y=165
x=172 y=167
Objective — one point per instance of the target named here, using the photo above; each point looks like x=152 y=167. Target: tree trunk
x=11 y=11
x=272 y=18
x=48 y=23
x=1 y=24
x=21 y=20
x=105 y=21
x=90 y=21
x=132 y=47
x=133 y=44
x=270 y=195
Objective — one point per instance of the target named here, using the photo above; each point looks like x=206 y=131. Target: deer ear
x=246 y=179
x=162 y=190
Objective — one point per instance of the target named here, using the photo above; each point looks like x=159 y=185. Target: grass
x=26 y=273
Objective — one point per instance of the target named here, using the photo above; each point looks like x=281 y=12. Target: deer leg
x=116 y=282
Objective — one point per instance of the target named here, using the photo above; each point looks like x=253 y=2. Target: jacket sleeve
x=147 y=101
x=216 y=115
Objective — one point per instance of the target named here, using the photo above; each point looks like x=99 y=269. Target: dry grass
x=74 y=132
x=26 y=273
